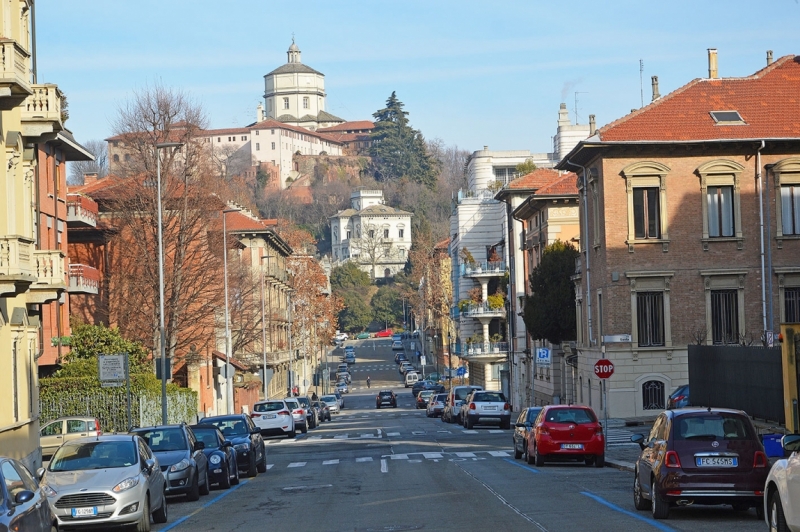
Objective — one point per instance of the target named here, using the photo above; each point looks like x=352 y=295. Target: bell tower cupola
x=293 y=54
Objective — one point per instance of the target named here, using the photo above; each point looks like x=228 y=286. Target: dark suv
x=386 y=397
x=181 y=458
x=703 y=456
x=242 y=432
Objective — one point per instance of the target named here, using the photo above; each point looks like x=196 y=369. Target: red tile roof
x=239 y=221
x=565 y=186
x=228 y=131
x=768 y=102
x=443 y=244
x=274 y=124
x=348 y=126
x=535 y=180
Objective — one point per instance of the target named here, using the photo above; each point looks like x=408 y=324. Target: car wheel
x=600 y=460
x=517 y=452
x=378 y=407
x=505 y=425
x=589 y=461
x=194 y=492
x=468 y=423
x=225 y=483
x=538 y=458
x=205 y=489
x=304 y=429
x=638 y=501
x=659 y=506
x=291 y=435
x=235 y=479
x=160 y=515
x=262 y=466
x=777 y=520
x=143 y=525
x=529 y=457
x=251 y=466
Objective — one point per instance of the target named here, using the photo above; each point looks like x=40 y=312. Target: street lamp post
x=228 y=372
x=161 y=326
x=263 y=323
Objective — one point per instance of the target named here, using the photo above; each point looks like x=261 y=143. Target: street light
x=263 y=324
x=161 y=327
x=228 y=372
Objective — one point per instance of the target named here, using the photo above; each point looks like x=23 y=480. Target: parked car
x=273 y=417
x=64 y=429
x=341 y=387
x=23 y=503
x=566 y=432
x=427 y=384
x=340 y=336
x=181 y=458
x=782 y=490
x=332 y=402
x=222 y=468
x=700 y=456
x=679 y=398
x=452 y=409
x=298 y=413
x=386 y=333
x=523 y=428
x=362 y=336
x=340 y=398
x=323 y=410
x=411 y=378
x=106 y=481
x=436 y=405
x=239 y=429
x=386 y=397
x=397 y=337
x=400 y=357
x=311 y=413
x=422 y=398
x=350 y=358
x=397 y=345
x=405 y=366
x=482 y=406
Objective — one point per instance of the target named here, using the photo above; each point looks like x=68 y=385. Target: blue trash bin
x=772 y=445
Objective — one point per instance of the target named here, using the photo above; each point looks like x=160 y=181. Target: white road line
x=415 y=461
x=498 y=453
x=469 y=431
x=297 y=464
x=398 y=456
x=431 y=456
x=496 y=432
x=270 y=466
x=444 y=431
x=392 y=434
x=368 y=436
x=330 y=462
x=340 y=437
x=465 y=455
x=384 y=466
x=315 y=437
x=364 y=459
x=379 y=432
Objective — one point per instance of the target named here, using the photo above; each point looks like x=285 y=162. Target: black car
x=522 y=429
x=222 y=468
x=323 y=411
x=23 y=504
x=426 y=385
x=399 y=357
x=239 y=429
x=181 y=458
x=312 y=420
x=386 y=397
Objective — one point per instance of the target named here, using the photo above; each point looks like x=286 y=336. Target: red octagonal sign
x=603 y=368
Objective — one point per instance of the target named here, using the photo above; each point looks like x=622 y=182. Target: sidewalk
x=623 y=453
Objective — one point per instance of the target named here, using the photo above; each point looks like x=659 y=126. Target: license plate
x=269 y=416
x=572 y=446
x=716 y=461
x=84 y=512
x=490 y=408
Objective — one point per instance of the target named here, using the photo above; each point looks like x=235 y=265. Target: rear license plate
x=572 y=446
x=269 y=416
x=84 y=512
x=716 y=461
x=490 y=408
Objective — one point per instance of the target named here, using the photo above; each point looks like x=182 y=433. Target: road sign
x=617 y=338
x=542 y=357
x=460 y=372
x=422 y=360
x=111 y=369
x=603 y=368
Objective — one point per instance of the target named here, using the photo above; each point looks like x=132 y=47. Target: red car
x=384 y=333
x=567 y=432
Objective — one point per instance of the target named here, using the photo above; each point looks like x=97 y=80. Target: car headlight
x=50 y=492
x=180 y=466
x=126 y=484
x=242 y=447
x=215 y=459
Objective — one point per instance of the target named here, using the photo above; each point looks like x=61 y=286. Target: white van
x=411 y=378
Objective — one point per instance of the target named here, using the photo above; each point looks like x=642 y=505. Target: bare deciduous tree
x=77 y=169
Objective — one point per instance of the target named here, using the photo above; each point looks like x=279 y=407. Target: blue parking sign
x=460 y=372
x=543 y=357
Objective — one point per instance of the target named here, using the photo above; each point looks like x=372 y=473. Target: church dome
x=293 y=47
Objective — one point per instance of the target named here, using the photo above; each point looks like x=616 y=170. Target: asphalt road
x=395 y=469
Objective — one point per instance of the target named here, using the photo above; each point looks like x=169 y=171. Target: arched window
x=116 y=158
x=653 y=395
x=387 y=272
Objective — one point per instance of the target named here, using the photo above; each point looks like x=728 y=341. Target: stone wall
x=331 y=168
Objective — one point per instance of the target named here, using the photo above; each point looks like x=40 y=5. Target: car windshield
x=712 y=427
x=229 y=427
x=386 y=394
x=94 y=455
x=272 y=406
x=304 y=401
x=294 y=405
x=462 y=393
x=171 y=439
x=570 y=415
x=441 y=397
x=489 y=397
x=328 y=399
x=209 y=437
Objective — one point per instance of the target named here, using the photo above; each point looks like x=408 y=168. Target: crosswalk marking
x=430 y=456
x=297 y=464
x=619 y=437
x=270 y=466
x=399 y=457
x=469 y=431
x=330 y=462
x=465 y=455
x=364 y=459
x=498 y=453
x=392 y=434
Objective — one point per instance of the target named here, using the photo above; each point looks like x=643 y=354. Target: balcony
x=278 y=357
x=476 y=197
x=276 y=272
x=279 y=315
x=41 y=111
x=17 y=270
x=83 y=279
x=483 y=269
x=485 y=351
x=81 y=211
x=50 y=276
x=15 y=75
x=483 y=311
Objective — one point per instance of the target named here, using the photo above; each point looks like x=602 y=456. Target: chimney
x=592 y=125
x=712 y=64
x=89 y=177
x=769 y=57
x=563 y=115
x=259 y=113
x=654 y=81
x=486 y=148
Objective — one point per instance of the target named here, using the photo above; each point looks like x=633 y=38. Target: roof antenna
x=641 y=83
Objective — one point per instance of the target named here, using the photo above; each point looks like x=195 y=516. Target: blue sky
x=470 y=73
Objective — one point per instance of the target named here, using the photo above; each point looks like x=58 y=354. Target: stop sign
x=603 y=368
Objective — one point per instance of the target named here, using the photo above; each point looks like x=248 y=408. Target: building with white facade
x=373 y=235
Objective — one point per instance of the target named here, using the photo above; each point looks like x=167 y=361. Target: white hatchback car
x=332 y=401
x=273 y=417
x=782 y=489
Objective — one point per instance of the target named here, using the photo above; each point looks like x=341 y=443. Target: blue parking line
x=206 y=505
x=526 y=468
x=651 y=522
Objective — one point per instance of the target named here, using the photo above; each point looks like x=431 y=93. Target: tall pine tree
x=398 y=150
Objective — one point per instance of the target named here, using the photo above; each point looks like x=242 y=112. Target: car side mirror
x=199 y=446
x=149 y=465
x=255 y=431
x=638 y=438
x=24 y=496
x=40 y=473
x=791 y=443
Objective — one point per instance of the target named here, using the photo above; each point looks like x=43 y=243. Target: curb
x=621 y=465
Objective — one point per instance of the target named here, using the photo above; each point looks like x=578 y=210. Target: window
x=244 y=137
x=653 y=398
x=791 y=305
x=786 y=175
x=650 y=318
x=256 y=132
x=400 y=233
x=650 y=309
x=116 y=158
x=790 y=209
x=52 y=429
x=219 y=139
x=724 y=317
x=348 y=233
x=273 y=132
x=371 y=233
x=258 y=146
x=646 y=213
x=305 y=102
x=385 y=233
x=286 y=103
x=273 y=145
x=720 y=211
x=719 y=184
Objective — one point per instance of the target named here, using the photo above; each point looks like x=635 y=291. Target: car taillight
x=671 y=459
x=543 y=429
x=598 y=429
x=254 y=414
x=760 y=459
x=283 y=413
x=679 y=398
x=506 y=406
x=472 y=406
x=299 y=411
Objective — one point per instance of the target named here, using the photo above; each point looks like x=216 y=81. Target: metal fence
x=744 y=378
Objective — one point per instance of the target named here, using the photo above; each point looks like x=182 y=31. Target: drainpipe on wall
x=770 y=314
x=586 y=249
x=761 y=222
